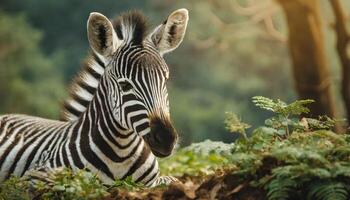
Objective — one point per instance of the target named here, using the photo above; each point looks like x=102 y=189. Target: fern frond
x=295 y=108
x=235 y=125
x=297 y=155
x=281 y=188
x=302 y=172
x=323 y=122
x=340 y=153
x=327 y=190
x=268 y=104
x=298 y=107
x=341 y=170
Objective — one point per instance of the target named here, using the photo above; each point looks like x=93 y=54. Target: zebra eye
x=125 y=86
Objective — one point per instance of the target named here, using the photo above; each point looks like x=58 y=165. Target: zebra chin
x=162 y=138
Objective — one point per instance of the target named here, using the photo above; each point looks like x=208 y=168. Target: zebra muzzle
x=162 y=137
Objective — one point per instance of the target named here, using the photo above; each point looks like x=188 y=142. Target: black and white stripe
x=117 y=119
x=83 y=88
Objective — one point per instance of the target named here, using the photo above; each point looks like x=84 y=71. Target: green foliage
x=127 y=184
x=281 y=188
x=235 y=125
x=282 y=121
x=197 y=159
x=14 y=189
x=293 y=160
x=29 y=83
x=323 y=122
x=282 y=108
x=64 y=184
x=310 y=156
x=69 y=185
x=327 y=190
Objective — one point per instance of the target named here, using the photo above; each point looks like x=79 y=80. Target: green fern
x=282 y=121
x=341 y=170
x=299 y=155
x=281 y=189
x=327 y=190
x=323 y=122
x=235 y=125
x=279 y=107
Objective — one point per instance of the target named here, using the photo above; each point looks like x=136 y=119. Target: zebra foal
x=118 y=118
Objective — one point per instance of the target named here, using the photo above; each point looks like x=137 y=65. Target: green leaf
x=327 y=190
x=281 y=188
x=235 y=125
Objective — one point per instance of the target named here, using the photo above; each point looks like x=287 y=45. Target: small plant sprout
x=235 y=125
x=284 y=112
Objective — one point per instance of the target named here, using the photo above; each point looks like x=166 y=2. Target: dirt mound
x=219 y=186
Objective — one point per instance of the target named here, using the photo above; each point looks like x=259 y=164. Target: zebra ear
x=102 y=37
x=168 y=36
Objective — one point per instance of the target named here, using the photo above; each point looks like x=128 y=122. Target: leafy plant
x=323 y=122
x=68 y=185
x=235 y=125
x=281 y=188
x=328 y=189
x=282 y=108
x=291 y=155
x=128 y=184
x=283 y=112
x=14 y=188
x=197 y=159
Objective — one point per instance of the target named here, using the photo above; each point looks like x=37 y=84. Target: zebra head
x=136 y=73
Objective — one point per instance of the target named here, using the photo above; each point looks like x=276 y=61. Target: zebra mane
x=130 y=27
x=83 y=88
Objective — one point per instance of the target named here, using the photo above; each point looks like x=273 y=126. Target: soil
x=219 y=186
x=222 y=185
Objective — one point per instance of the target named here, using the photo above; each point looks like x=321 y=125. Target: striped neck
x=115 y=152
x=83 y=88
x=100 y=113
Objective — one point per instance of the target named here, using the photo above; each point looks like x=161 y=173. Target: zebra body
x=118 y=118
x=52 y=144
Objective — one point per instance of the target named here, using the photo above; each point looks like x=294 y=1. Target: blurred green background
x=228 y=55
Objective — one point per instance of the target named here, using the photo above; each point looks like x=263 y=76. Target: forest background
x=233 y=50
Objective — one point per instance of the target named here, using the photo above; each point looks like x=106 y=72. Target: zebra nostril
x=162 y=137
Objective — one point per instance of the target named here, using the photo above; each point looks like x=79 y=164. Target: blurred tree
x=63 y=23
x=311 y=73
x=224 y=61
x=343 y=42
x=28 y=81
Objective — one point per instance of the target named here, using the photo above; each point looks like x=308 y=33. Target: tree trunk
x=311 y=74
x=343 y=38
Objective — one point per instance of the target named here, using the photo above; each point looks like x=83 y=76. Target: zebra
x=122 y=119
